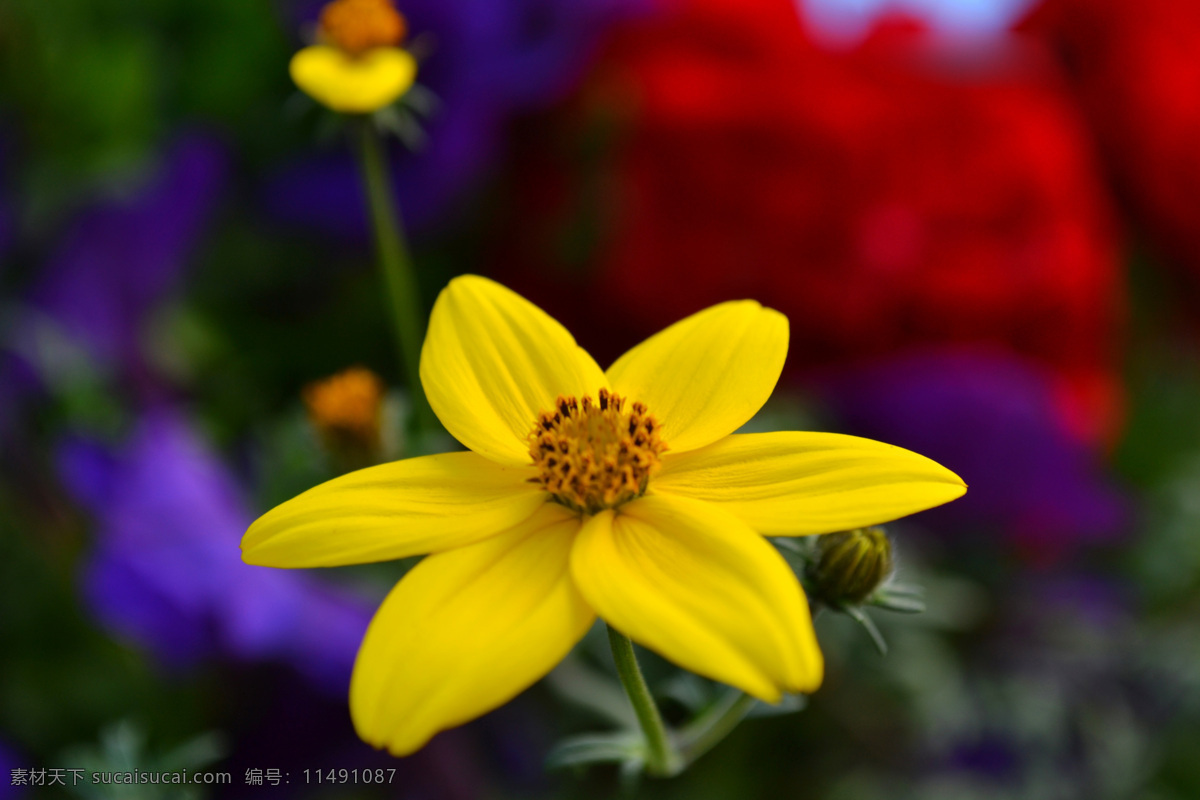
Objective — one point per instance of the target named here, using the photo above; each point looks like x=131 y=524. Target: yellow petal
x=798 y=483
x=393 y=510
x=705 y=376
x=492 y=361
x=697 y=586
x=353 y=85
x=466 y=631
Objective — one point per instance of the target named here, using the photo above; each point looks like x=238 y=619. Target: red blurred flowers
x=881 y=198
x=1137 y=73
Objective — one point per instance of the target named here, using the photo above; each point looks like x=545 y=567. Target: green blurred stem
x=661 y=756
x=703 y=733
x=399 y=276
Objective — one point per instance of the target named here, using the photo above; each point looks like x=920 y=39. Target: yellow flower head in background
x=358 y=67
x=622 y=494
x=346 y=410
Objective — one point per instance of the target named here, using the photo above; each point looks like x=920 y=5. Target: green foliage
x=122 y=750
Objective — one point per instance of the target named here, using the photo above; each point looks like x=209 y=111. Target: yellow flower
x=358 y=68
x=621 y=493
x=346 y=410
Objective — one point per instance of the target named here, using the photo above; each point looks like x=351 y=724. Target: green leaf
x=625 y=748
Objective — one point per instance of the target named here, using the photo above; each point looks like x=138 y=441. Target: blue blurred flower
x=166 y=571
x=120 y=259
x=993 y=419
x=993 y=757
x=489 y=60
x=8 y=762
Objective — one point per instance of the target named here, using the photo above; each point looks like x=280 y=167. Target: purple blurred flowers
x=489 y=60
x=993 y=419
x=8 y=763
x=120 y=259
x=87 y=308
x=167 y=573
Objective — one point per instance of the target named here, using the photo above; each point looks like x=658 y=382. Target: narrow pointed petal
x=492 y=361
x=707 y=375
x=466 y=631
x=796 y=483
x=697 y=586
x=405 y=508
x=353 y=84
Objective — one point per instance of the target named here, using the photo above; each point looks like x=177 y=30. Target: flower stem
x=702 y=734
x=396 y=265
x=661 y=756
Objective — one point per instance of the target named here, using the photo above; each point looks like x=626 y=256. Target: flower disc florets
x=357 y=26
x=595 y=454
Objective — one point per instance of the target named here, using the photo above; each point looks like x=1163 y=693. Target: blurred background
x=982 y=218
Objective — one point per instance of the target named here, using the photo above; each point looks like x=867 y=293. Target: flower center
x=360 y=25
x=595 y=454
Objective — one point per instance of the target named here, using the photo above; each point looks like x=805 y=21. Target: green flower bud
x=850 y=566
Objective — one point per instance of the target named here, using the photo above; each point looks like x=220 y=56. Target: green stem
x=703 y=733
x=661 y=757
x=396 y=264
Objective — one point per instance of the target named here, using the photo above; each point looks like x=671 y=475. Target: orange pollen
x=357 y=26
x=347 y=406
x=594 y=455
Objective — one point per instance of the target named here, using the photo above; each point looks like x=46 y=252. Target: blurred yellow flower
x=621 y=493
x=358 y=67
x=346 y=409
